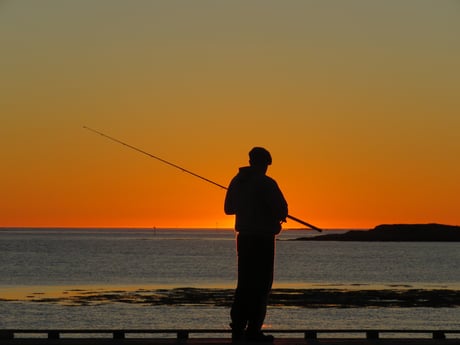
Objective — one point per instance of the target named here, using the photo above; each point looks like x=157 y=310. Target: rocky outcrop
x=397 y=233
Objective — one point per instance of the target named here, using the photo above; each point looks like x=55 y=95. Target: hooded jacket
x=257 y=203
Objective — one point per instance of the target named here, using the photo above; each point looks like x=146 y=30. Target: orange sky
x=357 y=102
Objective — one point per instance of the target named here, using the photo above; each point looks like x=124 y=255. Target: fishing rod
x=185 y=170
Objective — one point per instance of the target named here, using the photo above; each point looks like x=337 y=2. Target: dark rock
x=397 y=233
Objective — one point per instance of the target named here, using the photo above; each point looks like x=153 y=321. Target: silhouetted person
x=260 y=208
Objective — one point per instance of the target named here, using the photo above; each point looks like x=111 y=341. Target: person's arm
x=229 y=204
x=277 y=202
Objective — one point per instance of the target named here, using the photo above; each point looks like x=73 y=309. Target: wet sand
x=280 y=297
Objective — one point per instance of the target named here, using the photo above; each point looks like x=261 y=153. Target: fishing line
x=184 y=170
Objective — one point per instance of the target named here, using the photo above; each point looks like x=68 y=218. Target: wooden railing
x=183 y=334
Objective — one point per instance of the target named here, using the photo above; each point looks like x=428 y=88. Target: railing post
x=439 y=335
x=53 y=335
x=310 y=335
x=372 y=335
x=118 y=335
x=182 y=335
x=4 y=334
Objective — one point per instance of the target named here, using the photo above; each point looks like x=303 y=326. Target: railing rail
x=183 y=334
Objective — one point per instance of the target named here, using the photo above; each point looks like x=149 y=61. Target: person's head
x=260 y=158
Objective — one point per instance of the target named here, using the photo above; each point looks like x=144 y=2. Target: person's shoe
x=259 y=337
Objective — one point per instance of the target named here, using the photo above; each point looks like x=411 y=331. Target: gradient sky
x=358 y=102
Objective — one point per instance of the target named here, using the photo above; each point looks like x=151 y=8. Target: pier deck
x=222 y=337
x=227 y=341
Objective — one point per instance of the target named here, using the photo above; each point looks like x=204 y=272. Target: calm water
x=38 y=261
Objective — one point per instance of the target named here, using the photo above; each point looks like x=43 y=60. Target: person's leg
x=241 y=302
x=239 y=312
x=262 y=280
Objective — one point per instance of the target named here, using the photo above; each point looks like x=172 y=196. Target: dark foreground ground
x=222 y=337
x=222 y=341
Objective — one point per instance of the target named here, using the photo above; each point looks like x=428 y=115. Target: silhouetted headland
x=396 y=233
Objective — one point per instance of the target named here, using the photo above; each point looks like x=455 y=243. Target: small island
x=397 y=233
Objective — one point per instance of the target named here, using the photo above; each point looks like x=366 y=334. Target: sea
x=42 y=270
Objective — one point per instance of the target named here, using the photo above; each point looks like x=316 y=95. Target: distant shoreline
x=396 y=233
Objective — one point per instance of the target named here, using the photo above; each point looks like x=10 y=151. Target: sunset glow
x=358 y=103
